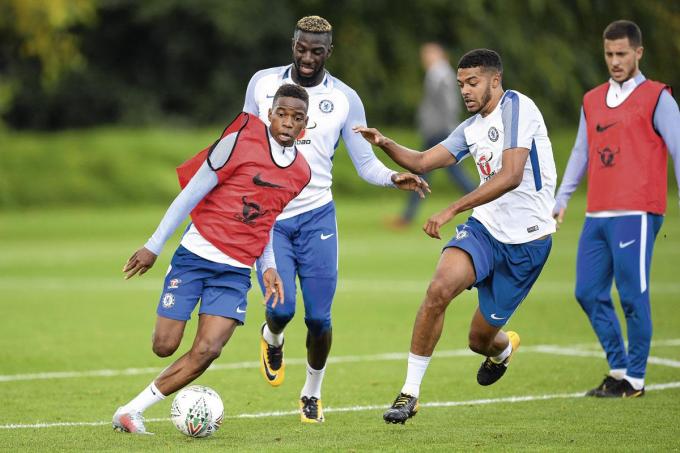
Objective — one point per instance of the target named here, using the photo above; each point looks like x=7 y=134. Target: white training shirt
x=334 y=109
x=525 y=213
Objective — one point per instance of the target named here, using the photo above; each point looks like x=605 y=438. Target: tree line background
x=79 y=63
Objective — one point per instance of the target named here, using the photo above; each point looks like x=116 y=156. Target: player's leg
x=594 y=276
x=316 y=250
x=272 y=364
x=455 y=272
x=633 y=241
x=515 y=270
x=182 y=289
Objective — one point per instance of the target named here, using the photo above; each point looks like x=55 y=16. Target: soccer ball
x=197 y=411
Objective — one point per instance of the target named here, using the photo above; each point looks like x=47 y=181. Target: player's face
x=288 y=116
x=622 y=59
x=310 y=52
x=475 y=85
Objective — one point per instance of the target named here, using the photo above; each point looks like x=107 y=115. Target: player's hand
x=140 y=262
x=558 y=214
x=409 y=181
x=435 y=222
x=371 y=134
x=273 y=287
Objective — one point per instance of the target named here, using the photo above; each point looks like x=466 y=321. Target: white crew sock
x=503 y=355
x=637 y=383
x=618 y=373
x=149 y=396
x=417 y=365
x=313 y=382
x=274 y=339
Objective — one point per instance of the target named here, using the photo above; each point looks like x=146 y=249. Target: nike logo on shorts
x=623 y=245
x=493 y=316
x=326 y=236
x=238 y=310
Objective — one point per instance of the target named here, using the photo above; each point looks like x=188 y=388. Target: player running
x=305 y=234
x=234 y=190
x=503 y=246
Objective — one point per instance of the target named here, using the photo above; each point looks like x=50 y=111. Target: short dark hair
x=314 y=24
x=291 y=90
x=620 y=29
x=485 y=58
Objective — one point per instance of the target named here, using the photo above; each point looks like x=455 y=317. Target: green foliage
x=189 y=62
x=116 y=165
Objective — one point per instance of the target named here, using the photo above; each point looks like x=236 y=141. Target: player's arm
x=666 y=121
x=368 y=166
x=250 y=104
x=576 y=168
x=196 y=189
x=270 y=277
x=416 y=161
x=506 y=179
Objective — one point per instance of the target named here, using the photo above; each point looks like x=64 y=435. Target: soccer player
x=234 y=190
x=503 y=246
x=628 y=126
x=305 y=234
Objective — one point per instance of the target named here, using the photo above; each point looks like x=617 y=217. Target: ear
x=638 y=52
x=269 y=115
x=330 y=51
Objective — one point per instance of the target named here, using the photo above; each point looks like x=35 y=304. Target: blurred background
x=98 y=96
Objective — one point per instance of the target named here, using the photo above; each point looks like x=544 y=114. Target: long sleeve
x=576 y=167
x=360 y=152
x=667 y=123
x=267 y=260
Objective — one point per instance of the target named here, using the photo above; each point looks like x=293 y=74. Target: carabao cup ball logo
x=326 y=106
x=493 y=134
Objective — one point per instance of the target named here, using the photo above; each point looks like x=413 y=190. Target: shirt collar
x=628 y=84
x=325 y=86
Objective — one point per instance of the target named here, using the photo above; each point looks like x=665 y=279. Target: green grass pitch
x=75 y=345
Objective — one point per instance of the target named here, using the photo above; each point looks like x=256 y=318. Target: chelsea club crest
x=326 y=106
x=493 y=134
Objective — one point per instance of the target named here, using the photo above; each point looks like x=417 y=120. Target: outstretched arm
x=196 y=189
x=417 y=162
x=666 y=121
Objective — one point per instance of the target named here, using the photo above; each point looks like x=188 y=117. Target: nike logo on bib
x=258 y=181
x=599 y=128
x=623 y=245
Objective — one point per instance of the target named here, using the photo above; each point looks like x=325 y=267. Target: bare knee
x=478 y=343
x=165 y=346
x=439 y=295
x=204 y=352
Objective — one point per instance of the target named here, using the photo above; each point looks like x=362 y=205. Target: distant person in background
x=628 y=126
x=438 y=115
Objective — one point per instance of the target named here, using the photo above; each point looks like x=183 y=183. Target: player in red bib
x=234 y=190
x=628 y=127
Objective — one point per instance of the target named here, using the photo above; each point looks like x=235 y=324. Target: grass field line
x=34 y=284
x=433 y=404
x=571 y=350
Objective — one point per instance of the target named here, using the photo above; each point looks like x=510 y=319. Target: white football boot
x=129 y=422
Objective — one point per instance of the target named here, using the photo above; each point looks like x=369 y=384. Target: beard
x=486 y=97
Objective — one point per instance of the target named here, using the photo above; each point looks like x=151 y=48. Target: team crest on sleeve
x=174 y=283
x=168 y=300
x=326 y=106
x=493 y=134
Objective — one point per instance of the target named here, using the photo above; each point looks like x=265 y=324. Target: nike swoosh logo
x=270 y=376
x=258 y=181
x=493 y=316
x=312 y=126
x=326 y=236
x=599 y=128
x=623 y=245
x=238 y=310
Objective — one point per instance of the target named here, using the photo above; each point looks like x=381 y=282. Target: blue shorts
x=221 y=288
x=306 y=246
x=504 y=272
